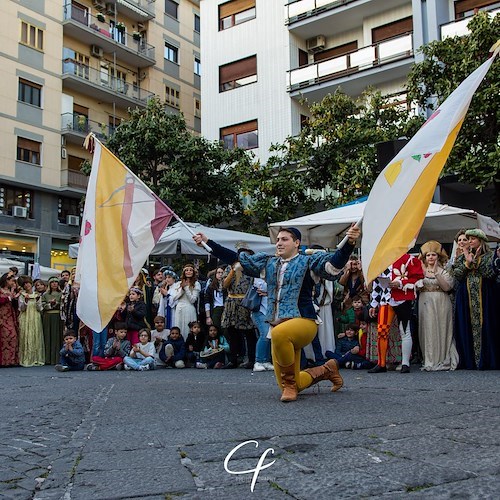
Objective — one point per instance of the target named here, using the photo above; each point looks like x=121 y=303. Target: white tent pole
x=207 y=248
x=344 y=241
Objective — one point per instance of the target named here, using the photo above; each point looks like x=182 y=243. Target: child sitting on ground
x=212 y=356
x=72 y=357
x=159 y=338
x=115 y=350
x=347 y=348
x=195 y=342
x=142 y=355
x=174 y=350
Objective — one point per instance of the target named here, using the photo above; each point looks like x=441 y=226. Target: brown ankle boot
x=289 y=385
x=329 y=371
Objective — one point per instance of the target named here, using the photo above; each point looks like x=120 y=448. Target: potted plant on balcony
x=136 y=36
x=100 y=17
x=120 y=27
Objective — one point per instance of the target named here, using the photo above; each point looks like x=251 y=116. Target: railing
x=390 y=50
x=77 y=179
x=74 y=122
x=134 y=43
x=459 y=27
x=105 y=80
x=301 y=9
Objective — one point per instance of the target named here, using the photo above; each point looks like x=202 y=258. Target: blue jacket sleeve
x=225 y=254
x=77 y=350
x=329 y=265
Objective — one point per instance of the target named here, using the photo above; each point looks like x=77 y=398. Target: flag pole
x=344 y=241
x=205 y=246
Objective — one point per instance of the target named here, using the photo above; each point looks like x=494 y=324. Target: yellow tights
x=287 y=339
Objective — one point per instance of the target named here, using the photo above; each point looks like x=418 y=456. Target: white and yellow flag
x=122 y=221
x=400 y=197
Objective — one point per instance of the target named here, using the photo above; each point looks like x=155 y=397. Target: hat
x=477 y=233
x=53 y=278
x=137 y=290
x=433 y=246
x=242 y=246
x=294 y=231
x=169 y=271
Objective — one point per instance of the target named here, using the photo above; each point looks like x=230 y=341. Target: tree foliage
x=194 y=176
x=476 y=154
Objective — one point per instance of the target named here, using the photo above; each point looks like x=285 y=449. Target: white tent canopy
x=177 y=234
x=441 y=223
x=45 y=272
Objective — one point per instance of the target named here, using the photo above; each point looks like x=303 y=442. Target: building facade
x=71 y=68
x=263 y=57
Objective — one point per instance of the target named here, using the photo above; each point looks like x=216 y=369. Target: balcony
x=74 y=179
x=308 y=18
x=459 y=27
x=102 y=85
x=75 y=128
x=82 y=26
x=384 y=61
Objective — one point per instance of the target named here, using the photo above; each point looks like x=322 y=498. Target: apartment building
x=70 y=68
x=262 y=57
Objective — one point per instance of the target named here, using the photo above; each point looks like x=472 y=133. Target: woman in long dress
x=9 y=332
x=185 y=294
x=31 y=344
x=52 y=322
x=435 y=315
x=476 y=307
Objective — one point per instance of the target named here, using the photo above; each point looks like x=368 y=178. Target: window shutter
x=392 y=29
x=234 y=7
x=238 y=69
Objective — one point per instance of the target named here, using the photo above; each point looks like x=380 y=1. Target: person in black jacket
x=133 y=314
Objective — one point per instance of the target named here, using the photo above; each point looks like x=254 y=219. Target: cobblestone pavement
x=165 y=435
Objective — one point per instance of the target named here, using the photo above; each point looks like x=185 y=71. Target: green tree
x=475 y=158
x=194 y=176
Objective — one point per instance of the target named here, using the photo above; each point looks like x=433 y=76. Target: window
x=28 y=150
x=171 y=8
x=171 y=53
x=172 y=97
x=76 y=63
x=197 y=66
x=244 y=136
x=237 y=74
x=31 y=35
x=67 y=206
x=197 y=107
x=235 y=12
x=10 y=197
x=114 y=121
x=118 y=32
x=338 y=51
x=197 y=23
x=29 y=92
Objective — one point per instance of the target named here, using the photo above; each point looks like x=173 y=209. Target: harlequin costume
x=290 y=309
x=406 y=271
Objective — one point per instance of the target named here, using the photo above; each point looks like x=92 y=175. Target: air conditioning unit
x=110 y=9
x=72 y=220
x=18 y=211
x=316 y=43
x=99 y=4
x=64 y=153
x=96 y=51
